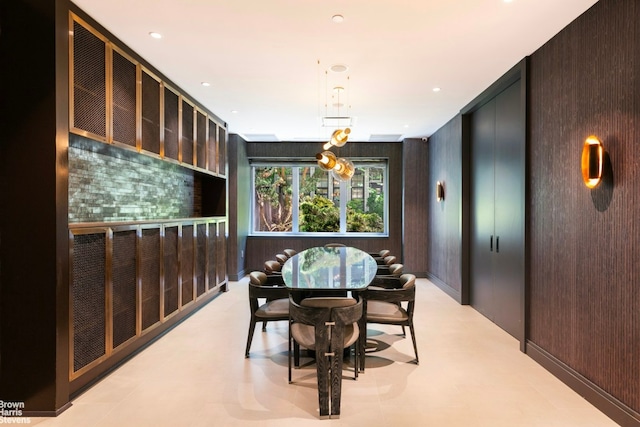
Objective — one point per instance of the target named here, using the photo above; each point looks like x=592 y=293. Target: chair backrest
x=281 y=258
x=289 y=252
x=318 y=311
x=383 y=253
x=396 y=269
x=272 y=266
x=392 y=289
x=390 y=259
x=259 y=287
x=334 y=245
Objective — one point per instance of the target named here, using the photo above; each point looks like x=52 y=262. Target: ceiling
x=268 y=62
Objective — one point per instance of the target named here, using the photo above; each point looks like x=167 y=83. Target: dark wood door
x=509 y=211
x=483 y=208
x=497 y=250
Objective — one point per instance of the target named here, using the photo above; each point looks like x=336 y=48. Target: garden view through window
x=303 y=198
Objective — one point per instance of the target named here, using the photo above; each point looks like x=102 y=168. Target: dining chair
x=267 y=303
x=289 y=252
x=391 y=270
x=326 y=325
x=380 y=254
x=390 y=301
x=281 y=258
x=272 y=267
x=334 y=245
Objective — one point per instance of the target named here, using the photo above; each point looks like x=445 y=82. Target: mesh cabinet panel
x=222 y=137
x=150 y=275
x=150 y=114
x=124 y=286
x=89 y=82
x=187 y=133
x=201 y=258
x=211 y=265
x=88 y=298
x=212 y=147
x=124 y=100
x=187 y=264
x=170 y=270
x=201 y=140
x=170 y=124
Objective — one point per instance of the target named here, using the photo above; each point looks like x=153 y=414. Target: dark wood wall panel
x=416 y=187
x=444 y=240
x=584 y=299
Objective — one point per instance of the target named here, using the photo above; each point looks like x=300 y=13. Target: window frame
x=345 y=188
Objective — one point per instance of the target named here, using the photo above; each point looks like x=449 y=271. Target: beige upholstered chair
x=274 y=307
x=334 y=245
x=390 y=301
x=281 y=258
x=326 y=325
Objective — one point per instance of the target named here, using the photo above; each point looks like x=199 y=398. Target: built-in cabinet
x=498 y=210
x=131 y=280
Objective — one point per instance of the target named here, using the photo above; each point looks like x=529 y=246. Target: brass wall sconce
x=592 y=161
x=439 y=191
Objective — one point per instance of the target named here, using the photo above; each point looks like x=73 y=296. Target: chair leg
x=404 y=333
x=413 y=338
x=264 y=325
x=289 y=356
x=252 y=326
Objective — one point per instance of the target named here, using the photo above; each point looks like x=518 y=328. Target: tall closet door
x=509 y=212
x=497 y=209
x=483 y=208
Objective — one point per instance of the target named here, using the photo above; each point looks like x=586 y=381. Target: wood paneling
x=445 y=228
x=416 y=185
x=584 y=299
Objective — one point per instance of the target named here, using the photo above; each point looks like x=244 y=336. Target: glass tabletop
x=329 y=268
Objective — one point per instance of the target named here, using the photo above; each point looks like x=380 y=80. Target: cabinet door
x=482 y=208
x=509 y=211
x=497 y=209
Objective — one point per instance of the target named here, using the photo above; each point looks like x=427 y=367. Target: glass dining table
x=323 y=271
x=329 y=268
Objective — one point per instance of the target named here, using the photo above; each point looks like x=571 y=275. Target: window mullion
x=295 y=198
x=343 y=207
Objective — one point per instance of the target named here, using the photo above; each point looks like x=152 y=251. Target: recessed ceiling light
x=155 y=35
x=338 y=19
x=436 y=89
x=234 y=111
x=339 y=68
x=205 y=84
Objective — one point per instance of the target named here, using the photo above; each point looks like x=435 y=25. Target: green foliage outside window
x=319 y=214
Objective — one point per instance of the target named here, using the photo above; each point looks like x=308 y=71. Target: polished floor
x=471 y=373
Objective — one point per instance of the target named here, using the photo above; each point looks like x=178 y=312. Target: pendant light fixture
x=340 y=168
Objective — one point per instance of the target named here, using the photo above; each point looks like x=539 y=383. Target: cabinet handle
x=491 y=243
x=497 y=244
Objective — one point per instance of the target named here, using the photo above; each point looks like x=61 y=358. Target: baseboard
x=609 y=405
x=41 y=414
x=455 y=294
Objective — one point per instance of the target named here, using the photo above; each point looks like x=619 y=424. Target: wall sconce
x=439 y=191
x=592 y=161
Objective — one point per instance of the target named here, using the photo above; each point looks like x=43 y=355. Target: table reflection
x=329 y=268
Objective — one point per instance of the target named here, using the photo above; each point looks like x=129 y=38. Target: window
x=301 y=198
